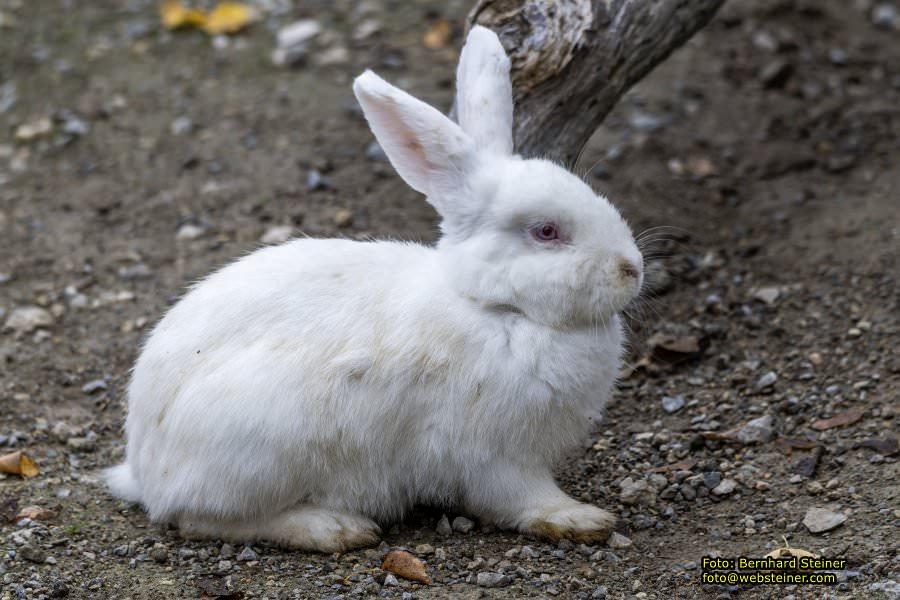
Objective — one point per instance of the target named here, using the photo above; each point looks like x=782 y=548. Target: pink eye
x=545 y=232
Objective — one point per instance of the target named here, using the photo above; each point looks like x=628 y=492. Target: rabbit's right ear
x=484 y=101
x=429 y=151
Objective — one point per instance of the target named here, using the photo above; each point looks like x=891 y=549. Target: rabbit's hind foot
x=304 y=527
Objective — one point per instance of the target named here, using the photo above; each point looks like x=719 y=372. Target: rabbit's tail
x=122 y=483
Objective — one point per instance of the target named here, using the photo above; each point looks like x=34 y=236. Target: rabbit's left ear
x=484 y=92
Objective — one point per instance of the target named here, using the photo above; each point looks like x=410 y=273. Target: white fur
x=309 y=389
x=484 y=92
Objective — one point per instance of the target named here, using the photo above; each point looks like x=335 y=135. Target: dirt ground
x=766 y=151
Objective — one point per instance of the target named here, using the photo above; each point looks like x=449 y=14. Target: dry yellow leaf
x=406 y=566
x=228 y=17
x=438 y=35
x=174 y=15
x=788 y=552
x=35 y=513
x=18 y=463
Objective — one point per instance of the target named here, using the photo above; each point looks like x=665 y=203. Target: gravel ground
x=766 y=152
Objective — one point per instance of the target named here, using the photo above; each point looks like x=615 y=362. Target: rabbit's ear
x=429 y=151
x=484 y=101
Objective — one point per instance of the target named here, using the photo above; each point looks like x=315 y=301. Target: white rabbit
x=312 y=389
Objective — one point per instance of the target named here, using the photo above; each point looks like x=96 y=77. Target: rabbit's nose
x=628 y=269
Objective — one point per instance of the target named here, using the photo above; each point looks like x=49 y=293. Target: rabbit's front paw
x=583 y=523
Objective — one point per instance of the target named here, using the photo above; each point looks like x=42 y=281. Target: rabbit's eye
x=545 y=232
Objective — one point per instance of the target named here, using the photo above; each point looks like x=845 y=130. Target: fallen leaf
x=438 y=35
x=406 y=566
x=786 y=444
x=787 y=552
x=18 y=463
x=175 y=15
x=684 y=465
x=229 y=17
x=888 y=446
x=841 y=420
x=35 y=513
x=674 y=349
x=807 y=466
x=700 y=167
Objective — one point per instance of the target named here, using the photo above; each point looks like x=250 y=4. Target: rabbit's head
x=519 y=235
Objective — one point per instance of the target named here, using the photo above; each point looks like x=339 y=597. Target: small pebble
x=463 y=525
x=443 y=526
x=726 y=487
x=672 y=404
x=91 y=387
x=277 y=234
x=766 y=380
x=492 y=580
x=181 y=126
x=343 y=218
x=618 y=541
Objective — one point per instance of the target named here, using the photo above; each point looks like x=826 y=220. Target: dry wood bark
x=573 y=59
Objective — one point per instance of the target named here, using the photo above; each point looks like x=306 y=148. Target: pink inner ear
x=406 y=151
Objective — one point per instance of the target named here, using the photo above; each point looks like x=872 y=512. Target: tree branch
x=573 y=59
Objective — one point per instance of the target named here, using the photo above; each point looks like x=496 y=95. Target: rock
x=247 y=554
x=135 y=271
x=672 y=404
x=766 y=380
x=618 y=541
x=759 y=430
x=767 y=295
x=277 y=234
x=181 y=126
x=94 y=386
x=391 y=581
x=491 y=580
x=637 y=493
x=343 y=218
x=528 y=552
x=82 y=444
x=316 y=181
x=884 y=15
x=292 y=41
x=726 y=487
x=336 y=55
x=27 y=132
x=647 y=123
x=820 y=520
x=366 y=29
x=375 y=152
x=74 y=125
x=160 y=555
x=889 y=588
x=776 y=73
x=463 y=525
x=765 y=41
x=425 y=549
x=712 y=479
x=28 y=318
x=189 y=231
x=32 y=553
x=443 y=526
